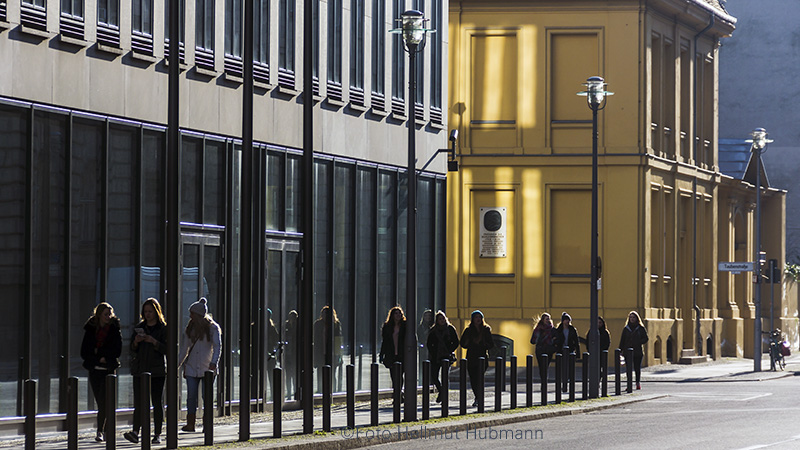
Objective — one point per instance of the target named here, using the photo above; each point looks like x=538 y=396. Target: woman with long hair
x=477 y=339
x=393 y=334
x=327 y=315
x=200 y=351
x=100 y=350
x=634 y=336
x=543 y=338
x=148 y=351
x=442 y=342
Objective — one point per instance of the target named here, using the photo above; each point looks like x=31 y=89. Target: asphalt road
x=697 y=415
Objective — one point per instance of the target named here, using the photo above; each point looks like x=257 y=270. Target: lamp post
x=596 y=97
x=413 y=32
x=759 y=146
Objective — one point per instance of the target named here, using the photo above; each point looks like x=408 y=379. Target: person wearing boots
x=100 y=350
x=634 y=336
x=477 y=340
x=567 y=336
x=200 y=351
x=148 y=350
x=442 y=341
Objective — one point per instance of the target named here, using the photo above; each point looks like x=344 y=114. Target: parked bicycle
x=778 y=349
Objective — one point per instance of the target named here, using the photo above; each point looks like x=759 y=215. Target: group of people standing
x=102 y=346
x=441 y=341
x=564 y=338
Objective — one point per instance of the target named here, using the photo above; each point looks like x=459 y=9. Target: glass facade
x=83 y=210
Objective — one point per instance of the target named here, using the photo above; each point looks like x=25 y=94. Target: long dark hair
x=100 y=309
x=388 y=321
x=156 y=307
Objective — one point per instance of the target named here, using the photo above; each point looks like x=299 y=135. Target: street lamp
x=759 y=146
x=595 y=94
x=413 y=31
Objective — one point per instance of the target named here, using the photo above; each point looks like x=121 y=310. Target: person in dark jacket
x=634 y=335
x=477 y=339
x=100 y=351
x=567 y=342
x=442 y=342
x=544 y=338
x=393 y=334
x=322 y=336
x=148 y=349
x=605 y=342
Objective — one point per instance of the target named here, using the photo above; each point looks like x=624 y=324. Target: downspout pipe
x=698 y=338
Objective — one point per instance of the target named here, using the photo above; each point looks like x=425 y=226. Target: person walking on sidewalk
x=567 y=342
x=634 y=335
x=393 y=334
x=100 y=350
x=148 y=350
x=442 y=342
x=544 y=338
x=200 y=351
x=477 y=339
x=605 y=342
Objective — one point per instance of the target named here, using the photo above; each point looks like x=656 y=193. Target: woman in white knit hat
x=200 y=351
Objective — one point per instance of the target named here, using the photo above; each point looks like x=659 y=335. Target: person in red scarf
x=100 y=350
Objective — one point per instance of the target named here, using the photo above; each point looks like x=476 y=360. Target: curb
x=343 y=438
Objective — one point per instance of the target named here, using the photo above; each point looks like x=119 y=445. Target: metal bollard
x=585 y=376
x=544 y=361
x=499 y=368
x=72 y=413
x=111 y=412
x=503 y=351
x=30 y=414
x=572 y=358
x=481 y=391
x=445 y=392
x=398 y=390
x=208 y=407
x=144 y=408
x=327 y=397
x=529 y=381
x=629 y=366
x=604 y=374
x=373 y=394
x=277 y=402
x=617 y=370
x=426 y=390
x=351 y=395
x=559 y=376
x=513 y=385
x=462 y=386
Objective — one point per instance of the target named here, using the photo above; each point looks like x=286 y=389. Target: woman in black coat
x=567 y=342
x=100 y=350
x=442 y=342
x=148 y=350
x=634 y=336
x=477 y=339
x=544 y=338
x=393 y=334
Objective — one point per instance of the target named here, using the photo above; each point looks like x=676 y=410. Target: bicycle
x=776 y=359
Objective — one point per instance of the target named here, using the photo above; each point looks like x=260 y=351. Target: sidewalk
x=226 y=430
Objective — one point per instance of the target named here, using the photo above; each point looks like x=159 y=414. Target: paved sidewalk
x=226 y=429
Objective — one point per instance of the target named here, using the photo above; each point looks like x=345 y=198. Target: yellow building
x=519 y=209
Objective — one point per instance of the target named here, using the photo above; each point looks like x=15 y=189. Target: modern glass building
x=83 y=143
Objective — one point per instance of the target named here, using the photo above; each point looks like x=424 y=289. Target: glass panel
x=387 y=244
x=191 y=187
x=441 y=241
x=343 y=254
x=230 y=337
x=274 y=195
x=152 y=235
x=402 y=237
x=86 y=240
x=293 y=193
x=365 y=274
x=191 y=293
x=214 y=193
x=261 y=31
x=13 y=142
x=274 y=290
x=291 y=353
x=212 y=283
x=123 y=197
x=425 y=243
x=322 y=247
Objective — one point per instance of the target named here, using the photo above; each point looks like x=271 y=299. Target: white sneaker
x=99 y=436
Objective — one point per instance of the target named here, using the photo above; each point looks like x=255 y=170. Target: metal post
x=513 y=385
x=30 y=414
x=544 y=361
x=481 y=388
x=398 y=390
x=373 y=394
x=585 y=377
x=72 y=413
x=426 y=390
x=604 y=366
x=529 y=381
x=462 y=387
x=411 y=246
x=629 y=366
x=360 y=365
x=445 y=392
x=572 y=358
x=772 y=268
x=498 y=383
x=351 y=395
x=327 y=397
x=111 y=412
x=757 y=352
x=617 y=372
x=594 y=336
x=503 y=350
x=144 y=408
x=559 y=376
x=277 y=402
x=208 y=407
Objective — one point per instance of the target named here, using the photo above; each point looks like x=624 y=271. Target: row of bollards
x=564 y=382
